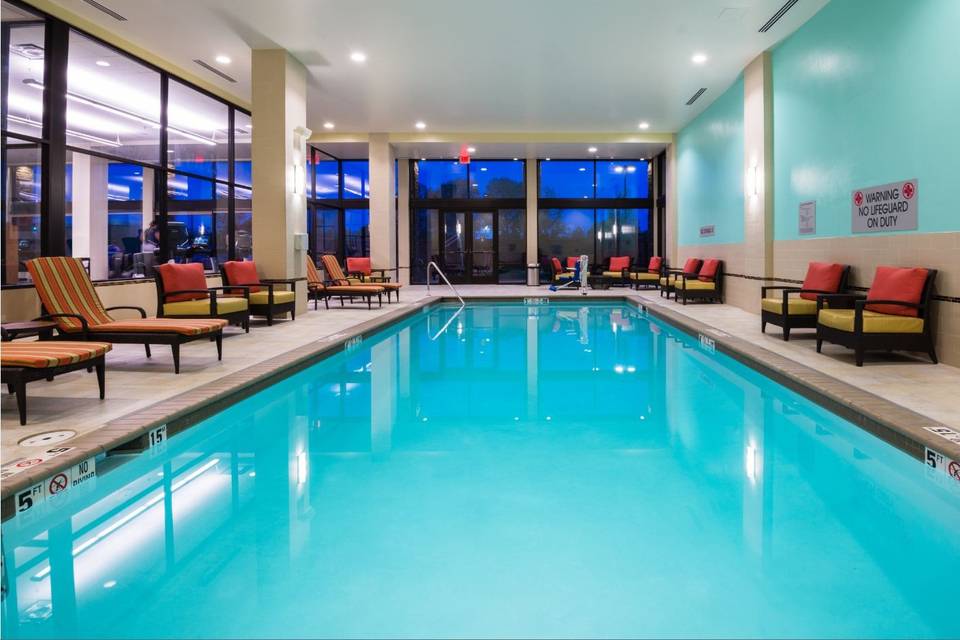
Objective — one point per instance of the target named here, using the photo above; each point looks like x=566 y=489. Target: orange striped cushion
x=388 y=285
x=64 y=287
x=50 y=353
x=191 y=327
x=313 y=274
x=333 y=267
x=355 y=288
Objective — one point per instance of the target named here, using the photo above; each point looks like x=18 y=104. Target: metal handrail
x=452 y=288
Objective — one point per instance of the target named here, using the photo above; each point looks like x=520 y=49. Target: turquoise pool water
x=557 y=470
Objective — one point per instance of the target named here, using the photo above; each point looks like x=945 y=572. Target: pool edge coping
x=895 y=424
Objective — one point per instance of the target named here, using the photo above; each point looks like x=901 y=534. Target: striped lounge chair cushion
x=49 y=354
x=183 y=326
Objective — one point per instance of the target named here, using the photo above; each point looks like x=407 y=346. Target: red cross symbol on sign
x=57 y=483
x=858 y=198
x=908 y=190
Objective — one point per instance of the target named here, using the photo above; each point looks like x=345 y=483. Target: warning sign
x=21 y=465
x=887 y=207
x=938 y=462
x=57 y=483
x=55 y=487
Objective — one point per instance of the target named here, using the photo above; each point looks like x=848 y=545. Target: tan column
x=758 y=167
x=279 y=158
x=383 y=211
x=532 y=236
x=403 y=220
x=90 y=213
x=670 y=181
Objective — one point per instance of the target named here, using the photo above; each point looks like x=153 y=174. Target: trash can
x=533 y=275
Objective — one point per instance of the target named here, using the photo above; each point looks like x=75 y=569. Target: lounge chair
x=894 y=315
x=668 y=277
x=67 y=297
x=24 y=362
x=796 y=307
x=359 y=271
x=572 y=262
x=707 y=285
x=618 y=270
x=650 y=277
x=182 y=292
x=270 y=303
x=559 y=275
x=338 y=285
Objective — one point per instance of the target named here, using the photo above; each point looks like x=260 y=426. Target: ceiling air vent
x=212 y=69
x=694 y=97
x=779 y=14
x=107 y=10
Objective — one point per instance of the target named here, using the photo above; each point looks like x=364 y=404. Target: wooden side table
x=40 y=328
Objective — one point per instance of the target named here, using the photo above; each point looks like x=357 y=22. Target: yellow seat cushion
x=668 y=281
x=873 y=322
x=612 y=274
x=562 y=276
x=652 y=277
x=697 y=285
x=796 y=306
x=279 y=297
x=202 y=307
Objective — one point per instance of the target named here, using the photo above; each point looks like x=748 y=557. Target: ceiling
x=496 y=151
x=480 y=66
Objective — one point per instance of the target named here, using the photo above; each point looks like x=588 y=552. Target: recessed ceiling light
x=222 y=59
x=699 y=58
x=420 y=124
x=328 y=125
x=644 y=125
x=592 y=150
x=102 y=63
x=547 y=159
x=471 y=149
x=515 y=159
x=423 y=159
x=358 y=56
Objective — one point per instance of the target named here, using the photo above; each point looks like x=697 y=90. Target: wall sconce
x=299 y=179
x=753 y=181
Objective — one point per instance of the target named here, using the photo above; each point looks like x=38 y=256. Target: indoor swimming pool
x=558 y=469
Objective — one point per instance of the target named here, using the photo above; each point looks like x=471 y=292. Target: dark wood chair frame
x=716 y=294
x=374 y=280
x=316 y=292
x=647 y=284
x=240 y=318
x=624 y=280
x=665 y=272
x=346 y=283
x=16 y=378
x=146 y=338
x=788 y=321
x=554 y=273
x=271 y=309
x=861 y=342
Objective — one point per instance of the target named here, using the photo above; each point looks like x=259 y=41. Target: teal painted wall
x=865 y=93
x=710 y=171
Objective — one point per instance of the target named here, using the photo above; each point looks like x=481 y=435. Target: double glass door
x=468 y=247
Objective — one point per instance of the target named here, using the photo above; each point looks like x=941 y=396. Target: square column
x=278 y=147
x=383 y=210
x=90 y=213
x=403 y=220
x=533 y=239
x=758 y=167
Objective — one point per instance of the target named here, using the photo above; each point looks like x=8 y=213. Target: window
x=325 y=231
x=566 y=179
x=243 y=217
x=111 y=109
x=24 y=72
x=425 y=242
x=21 y=207
x=622 y=179
x=566 y=232
x=496 y=179
x=356 y=233
x=356 y=179
x=197 y=132
x=445 y=179
x=328 y=177
x=339 y=210
x=512 y=246
x=242 y=132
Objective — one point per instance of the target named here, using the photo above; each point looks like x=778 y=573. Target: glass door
x=468 y=251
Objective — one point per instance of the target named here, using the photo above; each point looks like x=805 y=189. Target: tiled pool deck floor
x=136 y=385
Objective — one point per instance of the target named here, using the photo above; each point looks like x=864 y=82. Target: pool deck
x=141 y=390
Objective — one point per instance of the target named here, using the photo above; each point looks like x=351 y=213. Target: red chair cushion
x=242 y=273
x=556 y=265
x=691 y=265
x=619 y=263
x=822 y=276
x=709 y=270
x=895 y=283
x=359 y=265
x=655 y=263
x=177 y=277
x=572 y=262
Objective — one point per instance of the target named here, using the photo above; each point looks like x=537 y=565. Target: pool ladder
x=433 y=265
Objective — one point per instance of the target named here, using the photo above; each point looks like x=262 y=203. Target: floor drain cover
x=48 y=437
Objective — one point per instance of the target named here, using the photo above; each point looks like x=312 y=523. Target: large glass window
x=566 y=179
x=325 y=231
x=339 y=211
x=113 y=102
x=24 y=71
x=440 y=179
x=496 y=179
x=566 y=232
x=622 y=179
x=512 y=245
x=242 y=132
x=328 y=177
x=243 y=217
x=197 y=130
x=424 y=243
x=356 y=179
x=356 y=225
x=21 y=207
x=197 y=220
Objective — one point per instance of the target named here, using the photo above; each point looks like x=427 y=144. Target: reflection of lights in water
x=750 y=462
x=423 y=419
x=301 y=467
x=109 y=584
x=549 y=418
x=252 y=474
x=80 y=548
x=618 y=368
